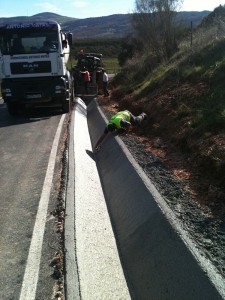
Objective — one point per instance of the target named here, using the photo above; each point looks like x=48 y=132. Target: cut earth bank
x=187 y=192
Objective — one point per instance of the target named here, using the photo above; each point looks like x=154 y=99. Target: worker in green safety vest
x=120 y=123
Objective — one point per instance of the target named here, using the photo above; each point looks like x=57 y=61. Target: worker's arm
x=128 y=127
x=97 y=146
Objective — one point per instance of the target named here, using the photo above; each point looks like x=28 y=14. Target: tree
x=154 y=23
x=129 y=47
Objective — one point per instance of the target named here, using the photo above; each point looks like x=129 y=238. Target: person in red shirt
x=87 y=79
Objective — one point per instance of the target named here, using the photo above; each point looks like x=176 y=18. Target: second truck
x=93 y=63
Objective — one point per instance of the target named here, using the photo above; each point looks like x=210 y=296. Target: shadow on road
x=27 y=116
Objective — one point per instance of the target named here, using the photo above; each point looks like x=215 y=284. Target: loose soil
x=196 y=198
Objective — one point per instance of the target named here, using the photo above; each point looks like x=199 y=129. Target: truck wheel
x=66 y=105
x=67 y=102
x=72 y=93
x=13 y=108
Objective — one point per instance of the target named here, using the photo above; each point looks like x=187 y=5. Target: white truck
x=33 y=65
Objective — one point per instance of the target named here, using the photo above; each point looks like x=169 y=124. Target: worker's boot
x=144 y=116
x=139 y=119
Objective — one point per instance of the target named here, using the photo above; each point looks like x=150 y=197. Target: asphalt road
x=25 y=149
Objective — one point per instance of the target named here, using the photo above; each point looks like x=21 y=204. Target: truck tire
x=67 y=102
x=13 y=108
x=66 y=105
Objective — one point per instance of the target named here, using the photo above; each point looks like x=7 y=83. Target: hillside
x=37 y=17
x=181 y=147
x=112 y=26
x=185 y=101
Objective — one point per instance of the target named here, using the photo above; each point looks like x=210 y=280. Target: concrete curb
x=92 y=262
x=159 y=257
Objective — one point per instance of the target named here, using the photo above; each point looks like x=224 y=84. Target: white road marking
x=30 y=279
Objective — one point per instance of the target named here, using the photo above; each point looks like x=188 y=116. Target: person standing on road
x=87 y=79
x=105 y=79
x=120 y=123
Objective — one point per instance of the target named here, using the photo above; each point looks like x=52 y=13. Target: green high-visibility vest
x=121 y=115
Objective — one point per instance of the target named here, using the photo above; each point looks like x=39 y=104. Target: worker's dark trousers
x=137 y=120
x=86 y=87
x=105 y=88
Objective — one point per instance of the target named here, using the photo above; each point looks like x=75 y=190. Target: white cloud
x=200 y=5
x=47 y=6
x=79 y=4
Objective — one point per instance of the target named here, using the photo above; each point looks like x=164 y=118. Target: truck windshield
x=28 y=40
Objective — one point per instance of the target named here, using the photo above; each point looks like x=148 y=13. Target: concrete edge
x=184 y=251
x=93 y=265
x=72 y=285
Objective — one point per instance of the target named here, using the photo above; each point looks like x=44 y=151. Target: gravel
x=206 y=229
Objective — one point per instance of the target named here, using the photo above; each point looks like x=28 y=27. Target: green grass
x=111 y=65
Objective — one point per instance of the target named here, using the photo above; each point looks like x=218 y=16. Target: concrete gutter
x=158 y=256
x=93 y=267
x=122 y=240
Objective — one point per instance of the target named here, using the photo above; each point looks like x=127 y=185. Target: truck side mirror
x=70 y=38
x=64 y=44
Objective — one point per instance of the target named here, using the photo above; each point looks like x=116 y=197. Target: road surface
x=25 y=156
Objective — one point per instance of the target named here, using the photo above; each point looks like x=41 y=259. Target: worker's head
x=111 y=127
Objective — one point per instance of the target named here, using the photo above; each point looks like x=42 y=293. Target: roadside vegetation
x=176 y=74
x=178 y=78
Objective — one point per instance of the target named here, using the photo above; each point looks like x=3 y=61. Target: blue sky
x=87 y=8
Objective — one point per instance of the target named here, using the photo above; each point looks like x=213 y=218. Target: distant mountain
x=110 y=26
x=196 y=17
x=113 y=26
x=38 y=17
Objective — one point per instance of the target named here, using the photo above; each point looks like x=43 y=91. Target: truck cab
x=33 y=71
